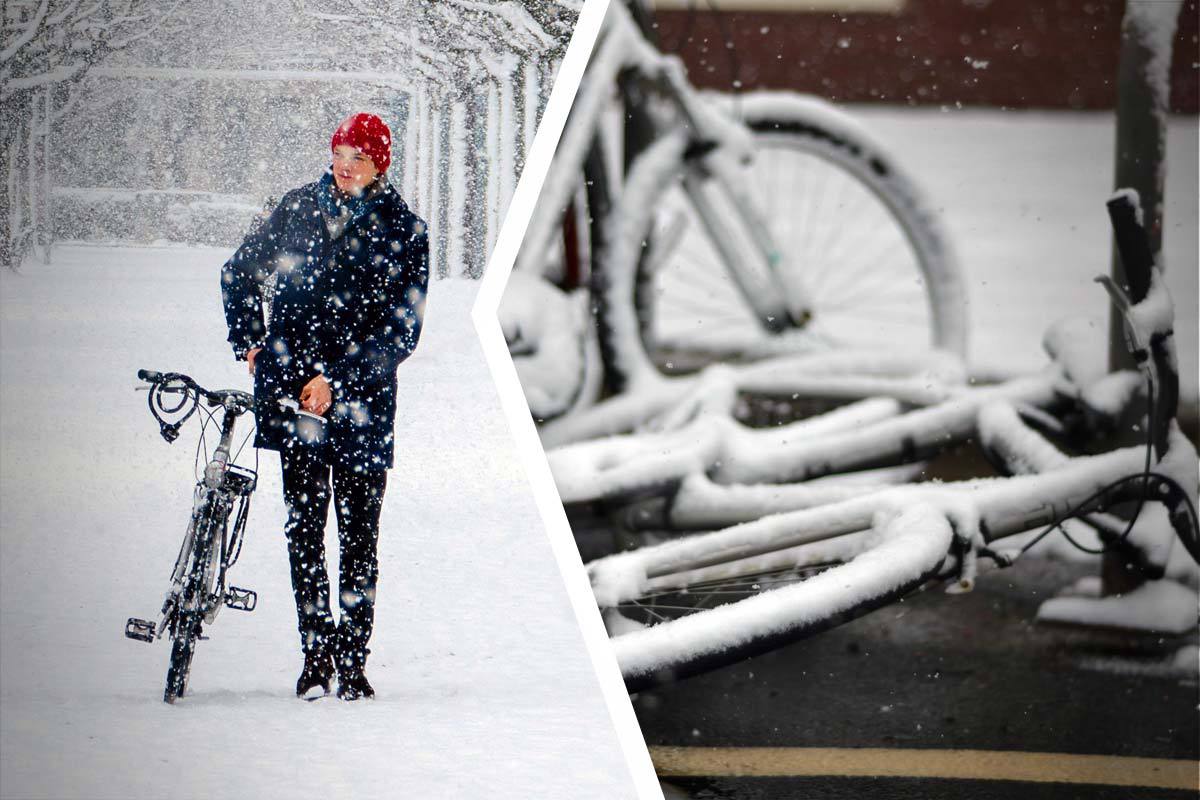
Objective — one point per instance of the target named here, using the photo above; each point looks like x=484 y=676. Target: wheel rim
x=662 y=606
x=845 y=249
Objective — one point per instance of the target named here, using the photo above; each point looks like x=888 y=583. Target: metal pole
x=47 y=218
x=1143 y=90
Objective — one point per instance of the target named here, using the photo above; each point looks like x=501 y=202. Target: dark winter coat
x=348 y=303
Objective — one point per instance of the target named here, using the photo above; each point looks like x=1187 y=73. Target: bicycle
x=211 y=545
x=807 y=557
x=695 y=163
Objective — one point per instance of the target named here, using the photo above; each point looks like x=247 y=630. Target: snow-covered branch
x=61 y=40
x=26 y=34
x=49 y=49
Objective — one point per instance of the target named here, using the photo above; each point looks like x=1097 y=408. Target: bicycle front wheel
x=189 y=613
x=187 y=631
x=862 y=259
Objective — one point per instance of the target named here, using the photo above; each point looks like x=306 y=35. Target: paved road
x=940 y=673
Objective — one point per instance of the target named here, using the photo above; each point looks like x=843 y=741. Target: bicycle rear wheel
x=865 y=262
x=686 y=621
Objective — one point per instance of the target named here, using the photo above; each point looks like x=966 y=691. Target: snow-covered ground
x=484 y=687
x=1023 y=194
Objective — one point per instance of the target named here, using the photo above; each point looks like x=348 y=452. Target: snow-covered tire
x=190 y=613
x=631 y=291
x=182 y=649
x=547 y=341
x=759 y=603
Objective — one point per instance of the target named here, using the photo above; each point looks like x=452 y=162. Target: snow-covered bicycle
x=745 y=226
x=211 y=545
x=821 y=529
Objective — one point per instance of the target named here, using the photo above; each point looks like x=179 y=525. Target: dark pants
x=358 y=497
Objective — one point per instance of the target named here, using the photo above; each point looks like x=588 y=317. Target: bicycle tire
x=187 y=631
x=572 y=382
x=837 y=581
x=190 y=613
x=827 y=141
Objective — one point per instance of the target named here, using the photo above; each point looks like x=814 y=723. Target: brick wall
x=1010 y=53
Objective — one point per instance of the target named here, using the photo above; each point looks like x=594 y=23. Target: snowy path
x=484 y=686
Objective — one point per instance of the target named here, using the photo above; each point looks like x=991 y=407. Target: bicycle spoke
x=867 y=303
x=687 y=298
x=891 y=309
x=881 y=284
x=829 y=272
x=698 y=336
x=804 y=231
x=653 y=613
x=783 y=576
x=667 y=605
x=853 y=258
x=700 y=269
x=834 y=212
x=691 y=297
x=867 y=262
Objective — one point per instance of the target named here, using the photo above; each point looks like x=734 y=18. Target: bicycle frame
x=865 y=435
x=718 y=142
x=889 y=539
x=957 y=522
x=198 y=585
x=224 y=489
x=917 y=379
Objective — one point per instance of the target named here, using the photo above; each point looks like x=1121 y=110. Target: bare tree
x=46 y=47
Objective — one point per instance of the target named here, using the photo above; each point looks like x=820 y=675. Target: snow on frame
x=998 y=506
x=912 y=542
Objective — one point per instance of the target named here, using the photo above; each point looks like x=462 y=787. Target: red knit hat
x=368 y=133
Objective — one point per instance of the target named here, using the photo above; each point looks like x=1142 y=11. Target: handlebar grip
x=149 y=375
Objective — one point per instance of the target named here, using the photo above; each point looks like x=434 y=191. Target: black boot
x=352 y=682
x=314 y=678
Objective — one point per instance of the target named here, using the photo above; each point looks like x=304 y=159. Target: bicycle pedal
x=241 y=599
x=140 y=629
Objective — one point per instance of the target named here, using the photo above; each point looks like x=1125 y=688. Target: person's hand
x=251 y=354
x=316 y=396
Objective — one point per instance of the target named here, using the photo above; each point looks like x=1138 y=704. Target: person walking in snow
x=351 y=267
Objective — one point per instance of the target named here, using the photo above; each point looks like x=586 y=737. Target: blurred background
x=138 y=122
x=1006 y=115
x=1060 y=54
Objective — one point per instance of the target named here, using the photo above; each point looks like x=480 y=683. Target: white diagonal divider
x=512 y=398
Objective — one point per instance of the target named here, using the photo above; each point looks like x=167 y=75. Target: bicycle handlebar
x=244 y=400
x=178 y=383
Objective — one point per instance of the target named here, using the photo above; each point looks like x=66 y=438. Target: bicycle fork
x=763 y=289
x=776 y=305
x=211 y=506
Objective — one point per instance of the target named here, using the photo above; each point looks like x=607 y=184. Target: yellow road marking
x=990 y=765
